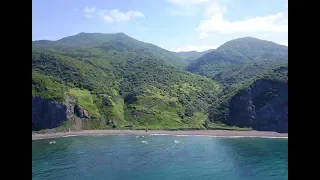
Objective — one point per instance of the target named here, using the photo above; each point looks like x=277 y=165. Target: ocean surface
x=159 y=157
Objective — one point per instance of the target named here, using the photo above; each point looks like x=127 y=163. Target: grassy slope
x=84 y=98
x=47 y=87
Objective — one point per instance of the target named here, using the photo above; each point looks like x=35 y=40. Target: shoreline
x=215 y=133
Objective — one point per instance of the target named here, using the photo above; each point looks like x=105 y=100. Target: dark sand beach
x=222 y=133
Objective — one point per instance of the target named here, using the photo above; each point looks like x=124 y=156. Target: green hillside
x=220 y=110
x=119 y=82
x=104 y=41
x=190 y=56
x=239 y=60
x=125 y=83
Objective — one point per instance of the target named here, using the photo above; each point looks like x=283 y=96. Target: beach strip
x=219 y=133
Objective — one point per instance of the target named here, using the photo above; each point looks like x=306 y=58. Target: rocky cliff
x=263 y=106
x=47 y=114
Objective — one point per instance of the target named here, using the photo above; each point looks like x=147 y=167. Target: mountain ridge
x=247 y=55
x=120 y=82
x=90 y=40
x=118 y=85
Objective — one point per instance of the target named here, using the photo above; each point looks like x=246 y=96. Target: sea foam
x=145 y=142
x=52 y=142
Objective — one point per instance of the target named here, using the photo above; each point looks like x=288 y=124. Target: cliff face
x=48 y=114
x=264 y=107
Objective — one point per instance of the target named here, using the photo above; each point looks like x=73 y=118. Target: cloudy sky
x=177 y=25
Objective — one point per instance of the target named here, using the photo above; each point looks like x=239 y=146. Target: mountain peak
x=248 y=42
x=120 y=33
x=88 y=34
x=242 y=50
x=248 y=37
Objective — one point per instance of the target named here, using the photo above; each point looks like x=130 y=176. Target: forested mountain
x=261 y=103
x=99 y=81
x=190 y=56
x=119 y=84
x=114 y=41
x=239 y=60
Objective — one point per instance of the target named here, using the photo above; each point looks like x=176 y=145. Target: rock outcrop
x=264 y=107
x=81 y=112
x=47 y=114
x=111 y=122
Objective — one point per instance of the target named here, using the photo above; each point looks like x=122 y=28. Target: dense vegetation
x=129 y=86
x=219 y=111
x=118 y=41
x=240 y=60
x=190 y=56
x=134 y=84
x=47 y=87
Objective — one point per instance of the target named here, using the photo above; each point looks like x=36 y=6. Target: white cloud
x=108 y=19
x=217 y=24
x=214 y=7
x=119 y=16
x=214 y=22
x=203 y=35
x=187 y=7
x=89 y=11
x=114 y=15
x=194 y=7
x=215 y=27
x=188 y=2
x=195 y=48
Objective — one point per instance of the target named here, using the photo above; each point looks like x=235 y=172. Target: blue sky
x=177 y=25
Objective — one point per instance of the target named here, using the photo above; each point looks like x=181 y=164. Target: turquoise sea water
x=159 y=157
